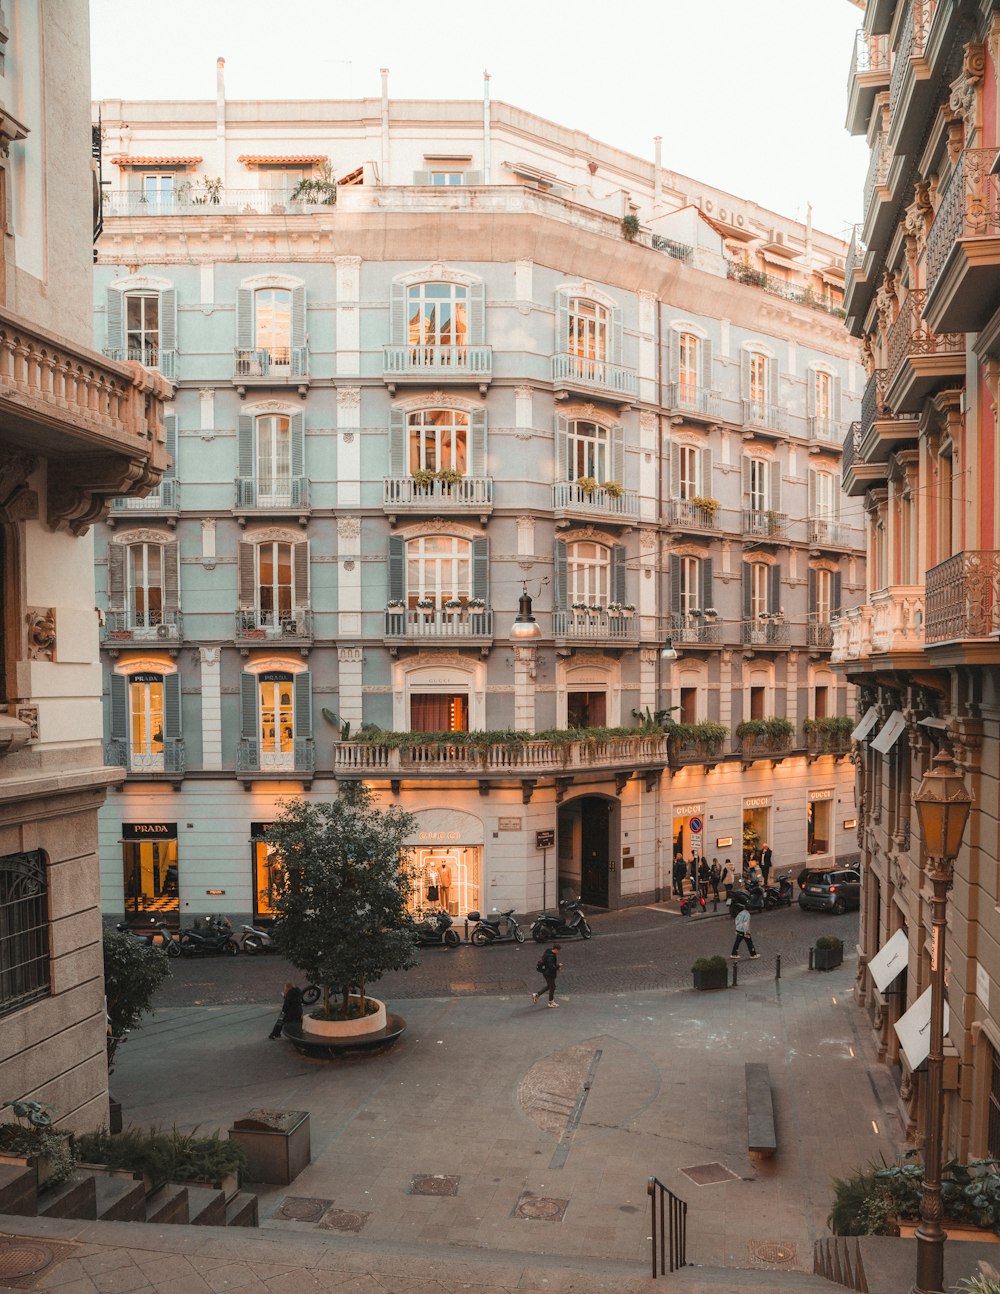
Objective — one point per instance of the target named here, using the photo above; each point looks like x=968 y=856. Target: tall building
x=76 y=429
x=430 y=357
x=922 y=647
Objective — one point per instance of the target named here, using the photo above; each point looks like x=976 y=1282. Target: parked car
x=830 y=889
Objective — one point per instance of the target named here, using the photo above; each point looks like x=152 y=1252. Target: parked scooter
x=501 y=928
x=437 y=932
x=751 y=897
x=149 y=937
x=565 y=923
x=690 y=902
x=780 y=895
x=255 y=939
x=209 y=935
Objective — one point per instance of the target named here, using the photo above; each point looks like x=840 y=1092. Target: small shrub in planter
x=710 y=972
x=36 y=1142
x=160 y=1156
x=828 y=953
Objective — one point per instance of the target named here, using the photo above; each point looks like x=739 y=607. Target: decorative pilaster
x=525 y=662
x=649 y=429
x=211 y=707
x=523 y=412
x=349 y=701
x=649 y=658
x=349 y=575
x=526 y=536
x=348 y=447
x=647 y=346
x=348 y=315
x=206 y=396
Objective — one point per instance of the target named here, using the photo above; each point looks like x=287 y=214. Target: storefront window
x=819 y=818
x=689 y=829
x=439 y=712
x=266 y=870
x=446 y=877
x=756 y=818
x=150 y=864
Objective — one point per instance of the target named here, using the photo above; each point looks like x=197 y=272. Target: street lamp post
x=942 y=803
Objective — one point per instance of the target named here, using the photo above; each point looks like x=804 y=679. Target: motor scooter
x=255 y=939
x=501 y=928
x=149 y=937
x=566 y=923
x=692 y=901
x=750 y=897
x=779 y=895
x=209 y=935
x=430 y=933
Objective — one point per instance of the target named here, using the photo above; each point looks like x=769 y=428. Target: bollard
x=467 y=930
x=777 y=967
x=735 y=969
x=811 y=958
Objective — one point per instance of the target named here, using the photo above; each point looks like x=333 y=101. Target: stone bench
x=762 y=1140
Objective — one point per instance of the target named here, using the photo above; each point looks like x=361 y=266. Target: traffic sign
x=695 y=825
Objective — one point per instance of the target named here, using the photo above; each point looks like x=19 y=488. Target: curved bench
x=309 y=1044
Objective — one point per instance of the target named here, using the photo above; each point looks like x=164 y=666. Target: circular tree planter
x=334 y=1029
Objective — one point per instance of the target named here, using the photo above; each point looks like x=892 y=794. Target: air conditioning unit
x=164 y=631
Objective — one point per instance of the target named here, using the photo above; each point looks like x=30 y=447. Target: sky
x=748 y=95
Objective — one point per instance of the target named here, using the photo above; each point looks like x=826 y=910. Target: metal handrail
x=669 y=1224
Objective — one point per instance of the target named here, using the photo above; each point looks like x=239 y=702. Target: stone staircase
x=109 y=1195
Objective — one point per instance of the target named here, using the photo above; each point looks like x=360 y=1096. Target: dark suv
x=830 y=889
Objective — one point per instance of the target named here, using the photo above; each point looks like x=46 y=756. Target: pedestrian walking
x=766 y=859
x=743 y=936
x=680 y=871
x=715 y=878
x=704 y=876
x=291 y=1009
x=550 y=966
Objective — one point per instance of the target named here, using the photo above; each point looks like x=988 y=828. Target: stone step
x=241 y=1211
x=18 y=1190
x=74 y=1198
x=121 y=1197
x=206 y=1206
x=168 y=1204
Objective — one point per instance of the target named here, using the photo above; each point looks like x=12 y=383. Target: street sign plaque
x=545 y=839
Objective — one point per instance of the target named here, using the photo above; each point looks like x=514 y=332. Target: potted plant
x=710 y=972
x=706 y=503
x=630 y=227
x=694 y=613
x=828 y=734
x=423 y=479
x=614 y=489
x=33 y=1142
x=581 y=608
x=454 y=605
x=596 y=610
x=395 y=606
x=710 y=613
x=586 y=484
x=319 y=189
x=161 y=1156
x=448 y=477
x=476 y=605
x=828 y=953
x=426 y=607
x=615 y=609
x=628 y=610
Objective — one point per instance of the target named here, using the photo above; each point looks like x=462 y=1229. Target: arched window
x=142 y=322
x=688 y=465
x=274 y=461
x=273 y=579
x=271 y=461
x=588 y=452
x=143 y=587
x=142 y=327
x=825 y=488
x=759 y=490
x=144 y=593
x=759 y=382
x=145 y=723
x=690 y=585
x=276 y=719
x=759 y=590
x=689 y=377
x=438 y=440
x=276 y=711
x=272 y=317
x=271 y=329
x=589 y=331
x=588 y=570
x=824 y=405
x=437 y=315
x=145 y=705
x=438 y=570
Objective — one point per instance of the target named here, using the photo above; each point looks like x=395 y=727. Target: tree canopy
x=133 y=971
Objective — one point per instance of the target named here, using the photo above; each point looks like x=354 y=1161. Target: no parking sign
x=695 y=826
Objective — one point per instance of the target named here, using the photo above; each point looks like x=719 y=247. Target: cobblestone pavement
x=633 y=950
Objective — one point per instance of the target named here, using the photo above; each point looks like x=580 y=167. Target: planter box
x=276 y=1142
x=825 y=959
x=707 y=979
x=346 y=1028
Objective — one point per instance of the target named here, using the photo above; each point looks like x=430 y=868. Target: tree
x=342 y=891
x=133 y=971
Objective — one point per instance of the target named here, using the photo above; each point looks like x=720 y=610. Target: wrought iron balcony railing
x=253 y=757
x=435 y=624
x=969 y=207
x=164 y=361
x=823 y=427
x=687 y=515
x=595 y=625
x=856 y=253
x=765 y=633
x=289 y=494
x=463 y=363
x=291 y=362
x=166 y=498
x=690 y=630
x=963 y=598
x=293 y=626
x=594 y=375
x=568 y=496
x=763 y=415
x=764 y=524
x=852 y=447
x=686 y=397
x=910 y=336
x=819 y=632
x=125 y=628
x=878 y=170
x=168 y=761
x=471 y=492
x=871 y=53
x=825 y=533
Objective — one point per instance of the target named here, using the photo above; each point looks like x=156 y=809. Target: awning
x=890 y=960
x=295 y=159
x=890 y=734
x=914 y=1030
x=866 y=724
x=156 y=161
x=529 y=172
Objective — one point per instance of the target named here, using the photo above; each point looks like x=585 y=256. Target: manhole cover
x=709 y=1174
x=344 y=1220
x=301 y=1208
x=541 y=1208
x=434 y=1184
x=772 y=1253
x=20 y=1259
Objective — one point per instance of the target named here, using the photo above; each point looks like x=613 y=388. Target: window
x=688 y=369
x=759 y=494
x=818 y=817
x=586 y=709
x=282 y=179
x=824 y=496
x=993 y=1116
x=276 y=721
x=759 y=383
x=144 y=568
x=438 y=440
x=447 y=177
x=759 y=582
x=823 y=401
x=690 y=585
x=821 y=702
x=437 y=315
x=274 y=461
x=439 y=712
x=688 y=462
x=267 y=870
x=824 y=596
x=142 y=327
x=588 y=452
x=589 y=573
x=158 y=192
x=438 y=570
x=24 y=930
x=758 y=697
x=272 y=312
x=276 y=708
x=274 y=584
x=145 y=717
x=589 y=326
x=688 y=712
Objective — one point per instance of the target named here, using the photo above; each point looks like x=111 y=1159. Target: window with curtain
x=438 y=440
x=274 y=461
x=276 y=698
x=588 y=452
x=588 y=571
x=689 y=369
x=589 y=329
x=438 y=315
x=275 y=587
x=145 y=718
x=759 y=601
x=759 y=377
x=438 y=569
x=439 y=712
x=272 y=316
x=760 y=493
x=689 y=471
x=144 y=574
x=142 y=327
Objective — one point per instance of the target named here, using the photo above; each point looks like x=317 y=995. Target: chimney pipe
x=657 y=171
x=385 y=124
x=220 y=116
x=487 y=146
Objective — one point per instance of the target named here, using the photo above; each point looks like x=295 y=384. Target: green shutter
x=674 y=484
x=300 y=573
x=774 y=589
x=706 y=474
x=303 y=705
x=616 y=439
x=297 y=433
x=563 y=468
x=246 y=575
x=747 y=590
x=119 y=708
x=171 y=707
x=562 y=322
x=746 y=477
x=813 y=594
x=481 y=569
x=422 y=177
x=559 y=576
x=835 y=399
x=838 y=489
x=116 y=577
x=397 y=569
x=811 y=393
x=170 y=556
x=675 y=585
x=706 y=583
x=249 y=706
x=397 y=315
x=835 y=592
x=116 y=329
x=477 y=450
x=170 y=431
x=168 y=319
x=245 y=446
x=298 y=317
x=477 y=314
x=774 y=384
x=812 y=495
x=706 y=363
x=674 y=356
x=397 y=443
x=244 y=319
x=744 y=373
x=619 y=592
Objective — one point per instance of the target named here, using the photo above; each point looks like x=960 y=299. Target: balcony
x=189 y=202
x=911 y=86
x=272 y=498
x=757 y=742
x=826 y=432
x=767 y=524
x=253 y=763
x=696 y=402
x=765 y=633
x=823 y=533
x=472 y=494
x=819 y=632
x=764 y=417
x=163 y=361
x=453 y=627
x=437 y=365
x=527 y=758
x=584 y=376
x=877 y=190
x=695 y=631
x=963 y=598
x=293 y=628
x=852 y=635
x=858 y=289
x=610 y=502
x=824 y=737
x=869 y=74
x=124 y=629
x=166 y=765
x=164 y=501
x=963 y=246
x=285 y=366
x=596 y=626
x=920 y=360
x=690 y=746
x=685 y=514
x=897 y=619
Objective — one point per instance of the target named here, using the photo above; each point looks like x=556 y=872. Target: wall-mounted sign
x=757 y=802
x=723 y=842
x=440 y=835
x=149 y=830
x=694 y=826
x=508 y=824
x=850 y=824
x=686 y=810
x=821 y=795
x=275 y=676
x=145 y=678
x=545 y=839
x=215 y=892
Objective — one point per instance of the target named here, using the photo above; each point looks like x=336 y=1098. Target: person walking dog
x=291 y=1009
x=550 y=966
x=743 y=936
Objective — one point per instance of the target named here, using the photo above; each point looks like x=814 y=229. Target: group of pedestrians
x=704 y=876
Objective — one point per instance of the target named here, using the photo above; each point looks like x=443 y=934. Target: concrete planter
x=825 y=959
x=717 y=977
x=276 y=1143
x=312 y=1027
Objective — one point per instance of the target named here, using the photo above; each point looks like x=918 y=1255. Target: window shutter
x=300 y=573
x=706 y=363
x=481 y=569
x=397 y=568
x=835 y=592
x=774 y=383
x=477 y=449
x=774 y=588
x=171 y=575
x=813 y=594
x=619 y=592
x=119 y=707
x=247 y=576
x=303 y=704
x=298 y=317
x=397 y=443
x=244 y=319
x=245 y=456
x=397 y=314
x=747 y=590
x=559 y=576
x=838 y=487
x=116 y=330
x=421 y=177
x=562 y=323
x=477 y=314
x=811 y=382
x=170 y=431
x=248 y=706
x=171 y=706
x=745 y=373
x=746 y=477
x=563 y=472
x=616 y=445
x=706 y=583
x=674 y=357
x=674 y=485
x=297 y=435
x=116 y=577
x=675 y=585
x=472 y=177
x=835 y=399
x=706 y=473
x=168 y=319
x=617 y=337
x=775 y=500
x=812 y=495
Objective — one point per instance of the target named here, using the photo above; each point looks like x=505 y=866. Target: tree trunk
x=326 y=1000
x=361 y=994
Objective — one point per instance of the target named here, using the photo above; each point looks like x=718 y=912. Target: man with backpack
x=549 y=967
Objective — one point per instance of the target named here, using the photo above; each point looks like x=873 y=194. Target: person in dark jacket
x=715 y=879
x=680 y=871
x=291 y=1010
x=550 y=966
x=704 y=876
x=766 y=860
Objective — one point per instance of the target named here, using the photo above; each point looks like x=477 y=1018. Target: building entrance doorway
x=149 y=861
x=585 y=850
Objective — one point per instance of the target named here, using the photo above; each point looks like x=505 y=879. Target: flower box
x=710 y=973
x=828 y=958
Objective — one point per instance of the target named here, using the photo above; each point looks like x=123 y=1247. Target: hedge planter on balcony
x=828 y=953
x=710 y=972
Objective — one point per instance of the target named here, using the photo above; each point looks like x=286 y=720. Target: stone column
x=348 y=447
x=525 y=660
x=349 y=576
x=348 y=315
x=211 y=707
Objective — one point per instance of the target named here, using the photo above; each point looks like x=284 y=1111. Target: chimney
x=220 y=116
x=385 y=124
x=657 y=171
x=487 y=160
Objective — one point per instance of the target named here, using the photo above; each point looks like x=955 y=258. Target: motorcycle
x=498 y=929
x=148 y=937
x=751 y=897
x=566 y=923
x=209 y=935
x=690 y=901
x=437 y=932
x=254 y=940
x=780 y=895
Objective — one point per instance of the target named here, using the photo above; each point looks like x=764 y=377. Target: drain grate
x=540 y=1208
x=710 y=1174
x=772 y=1253
x=434 y=1184
x=344 y=1220
x=302 y=1208
x=23 y=1260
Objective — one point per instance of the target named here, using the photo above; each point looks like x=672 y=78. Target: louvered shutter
x=813 y=595
x=675 y=585
x=774 y=589
x=171 y=576
x=835 y=399
x=674 y=485
x=811 y=385
x=246 y=554
x=297 y=436
x=747 y=590
x=248 y=706
x=746 y=478
x=116 y=577
x=397 y=443
x=300 y=573
x=116 y=329
x=560 y=581
x=481 y=569
x=775 y=500
x=745 y=373
x=838 y=489
x=706 y=583
x=119 y=708
x=303 y=705
x=563 y=468
x=244 y=449
x=477 y=449
x=397 y=569
x=706 y=363
x=812 y=495
x=172 y=707
x=244 y=319
x=477 y=314
x=706 y=473
x=835 y=592
x=774 y=385
x=170 y=433
x=616 y=445
x=674 y=356
x=397 y=314
x=617 y=337
x=562 y=323
x=298 y=317
x=619 y=591
x=422 y=177
x=168 y=319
